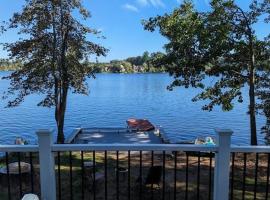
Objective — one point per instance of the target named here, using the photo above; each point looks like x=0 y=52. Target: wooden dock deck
x=112 y=136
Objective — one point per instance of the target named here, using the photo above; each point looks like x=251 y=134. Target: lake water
x=116 y=97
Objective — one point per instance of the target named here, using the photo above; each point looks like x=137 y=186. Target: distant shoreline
x=161 y=72
x=147 y=63
x=10 y=69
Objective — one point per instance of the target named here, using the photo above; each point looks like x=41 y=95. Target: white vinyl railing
x=46 y=150
x=19 y=148
x=132 y=147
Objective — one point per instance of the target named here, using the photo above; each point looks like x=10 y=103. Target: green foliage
x=182 y=28
x=220 y=43
x=52 y=51
x=263 y=88
x=265 y=9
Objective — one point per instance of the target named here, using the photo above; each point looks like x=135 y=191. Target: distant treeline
x=138 y=64
x=7 y=65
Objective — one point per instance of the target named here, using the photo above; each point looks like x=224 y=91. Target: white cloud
x=142 y=2
x=130 y=7
x=155 y=3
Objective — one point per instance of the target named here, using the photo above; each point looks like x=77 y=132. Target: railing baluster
x=94 y=175
x=175 y=173
x=210 y=177
x=152 y=164
x=117 y=175
x=8 y=176
x=232 y=175
x=187 y=161
x=20 y=173
x=198 y=175
x=267 y=176
x=105 y=174
x=59 y=175
x=31 y=172
x=140 y=175
x=256 y=175
x=244 y=176
x=163 y=176
x=70 y=175
x=82 y=174
x=128 y=175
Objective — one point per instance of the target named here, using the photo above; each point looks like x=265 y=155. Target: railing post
x=47 y=167
x=222 y=165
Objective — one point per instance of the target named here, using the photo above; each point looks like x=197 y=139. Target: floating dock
x=112 y=136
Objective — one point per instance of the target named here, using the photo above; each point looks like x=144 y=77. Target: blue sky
x=120 y=23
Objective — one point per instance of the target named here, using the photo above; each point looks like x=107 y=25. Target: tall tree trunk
x=61 y=111
x=60 y=129
x=64 y=80
x=252 y=111
x=252 y=101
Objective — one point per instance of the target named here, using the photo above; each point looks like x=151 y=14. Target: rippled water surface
x=116 y=97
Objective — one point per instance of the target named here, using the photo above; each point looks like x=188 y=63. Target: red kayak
x=140 y=124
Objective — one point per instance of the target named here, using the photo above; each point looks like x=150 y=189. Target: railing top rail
x=250 y=149
x=19 y=148
x=132 y=147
